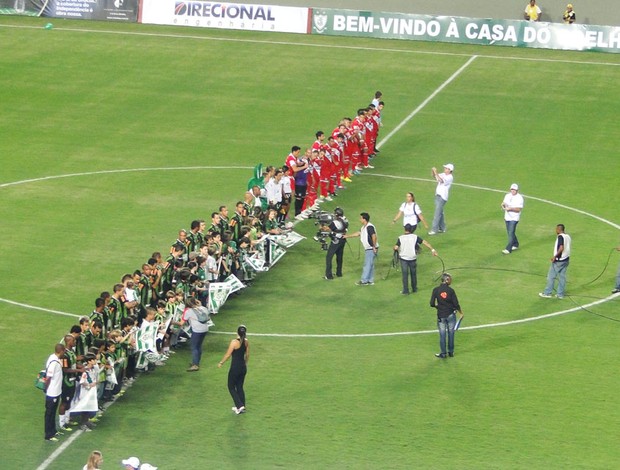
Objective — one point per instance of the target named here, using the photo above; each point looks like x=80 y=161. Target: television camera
x=323 y=220
x=339 y=225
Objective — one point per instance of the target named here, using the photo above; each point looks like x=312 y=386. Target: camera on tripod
x=322 y=236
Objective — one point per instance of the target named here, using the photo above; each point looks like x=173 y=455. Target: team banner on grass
x=225 y=15
x=287 y=239
x=466 y=30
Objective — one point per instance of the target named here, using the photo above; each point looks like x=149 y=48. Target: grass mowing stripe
x=305 y=44
x=362 y=335
x=426 y=101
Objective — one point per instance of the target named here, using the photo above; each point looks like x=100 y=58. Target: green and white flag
x=146 y=335
x=218 y=293
x=161 y=333
x=286 y=240
x=234 y=283
x=276 y=251
x=256 y=262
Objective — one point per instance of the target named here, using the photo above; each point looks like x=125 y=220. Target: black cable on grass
x=487 y=269
x=352 y=252
x=443 y=267
x=526 y=272
x=603 y=271
x=393 y=264
x=590 y=311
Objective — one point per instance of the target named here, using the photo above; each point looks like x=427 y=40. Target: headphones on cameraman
x=445 y=277
x=338 y=211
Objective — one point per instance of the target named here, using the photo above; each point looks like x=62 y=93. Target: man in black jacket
x=444 y=299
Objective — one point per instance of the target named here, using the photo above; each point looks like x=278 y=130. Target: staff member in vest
x=512 y=205
x=447 y=304
x=444 y=181
x=53 y=390
x=368 y=237
x=559 y=264
x=407 y=247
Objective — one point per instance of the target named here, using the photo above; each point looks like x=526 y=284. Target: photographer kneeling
x=337 y=230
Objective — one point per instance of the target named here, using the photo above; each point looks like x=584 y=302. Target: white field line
x=74 y=436
x=368 y=335
x=61 y=448
x=361 y=335
x=41 y=309
x=502 y=191
x=308 y=44
x=127 y=170
x=426 y=101
x=47 y=178
x=424 y=332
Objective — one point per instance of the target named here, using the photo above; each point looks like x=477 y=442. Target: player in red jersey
x=371 y=133
x=314 y=176
x=335 y=156
x=324 y=169
x=325 y=162
x=375 y=114
x=319 y=143
x=360 y=150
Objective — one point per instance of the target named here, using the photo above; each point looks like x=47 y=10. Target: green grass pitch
x=95 y=99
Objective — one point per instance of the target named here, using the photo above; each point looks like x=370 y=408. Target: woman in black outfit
x=239 y=349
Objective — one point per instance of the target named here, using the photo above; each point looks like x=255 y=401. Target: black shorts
x=67 y=393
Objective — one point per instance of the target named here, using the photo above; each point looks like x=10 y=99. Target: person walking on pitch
x=444 y=299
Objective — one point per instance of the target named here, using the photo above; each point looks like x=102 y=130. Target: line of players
x=330 y=162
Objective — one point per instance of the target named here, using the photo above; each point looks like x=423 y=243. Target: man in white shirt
x=444 y=181
x=53 y=390
x=512 y=205
x=368 y=237
x=274 y=190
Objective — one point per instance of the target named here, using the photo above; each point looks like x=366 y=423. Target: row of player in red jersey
x=321 y=170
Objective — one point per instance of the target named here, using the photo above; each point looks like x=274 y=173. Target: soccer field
x=116 y=136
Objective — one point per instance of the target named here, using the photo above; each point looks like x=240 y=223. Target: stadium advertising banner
x=111 y=10
x=225 y=15
x=466 y=30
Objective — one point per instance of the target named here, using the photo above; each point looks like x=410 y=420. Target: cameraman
x=337 y=232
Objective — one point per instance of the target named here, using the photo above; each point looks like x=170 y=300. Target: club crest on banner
x=319 y=19
x=218 y=293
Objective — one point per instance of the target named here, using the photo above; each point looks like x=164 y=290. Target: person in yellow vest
x=532 y=11
x=569 y=15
